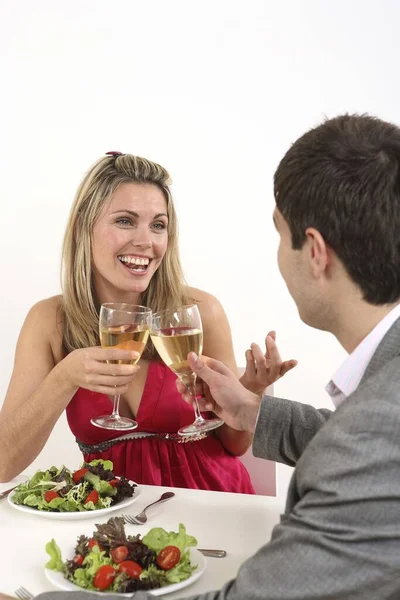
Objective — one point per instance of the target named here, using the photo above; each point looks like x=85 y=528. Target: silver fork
x=23 y=594
x=141 y=518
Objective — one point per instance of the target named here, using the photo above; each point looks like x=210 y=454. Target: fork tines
x=131 y=520
x=23 y=594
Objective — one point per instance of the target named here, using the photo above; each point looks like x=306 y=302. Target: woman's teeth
x=135 y=263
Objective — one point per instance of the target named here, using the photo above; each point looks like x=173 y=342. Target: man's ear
x=319 y=255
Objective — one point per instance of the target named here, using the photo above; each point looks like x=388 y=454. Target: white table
x=237 y=523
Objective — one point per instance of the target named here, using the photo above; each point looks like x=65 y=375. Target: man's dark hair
x=343 y=178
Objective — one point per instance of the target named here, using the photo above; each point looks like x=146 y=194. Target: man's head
x=337 y=193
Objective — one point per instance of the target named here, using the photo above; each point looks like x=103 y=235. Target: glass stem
x=192 y=390
x=115 y=412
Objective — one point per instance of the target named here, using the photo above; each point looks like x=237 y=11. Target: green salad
x=91 y=487
x=114 y=562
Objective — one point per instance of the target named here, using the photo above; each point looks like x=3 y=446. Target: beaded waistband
x=169 y=437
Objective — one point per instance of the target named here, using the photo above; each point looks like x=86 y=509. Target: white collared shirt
x=346 y=380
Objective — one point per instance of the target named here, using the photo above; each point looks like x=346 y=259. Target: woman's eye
x=159 y=225
x=123 y=221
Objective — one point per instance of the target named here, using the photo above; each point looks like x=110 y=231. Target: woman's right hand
x=87 y=368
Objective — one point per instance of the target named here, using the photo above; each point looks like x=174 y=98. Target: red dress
x=204 y=464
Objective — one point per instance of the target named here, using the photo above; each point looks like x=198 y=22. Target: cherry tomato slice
x=119 y=554
x=92 y=542
x=78 y=559
x=92 y=497
x=77 y=476
x=168 y=557
x=104 y=577
x=114 y=482
x=50 y=495
x=131 y=568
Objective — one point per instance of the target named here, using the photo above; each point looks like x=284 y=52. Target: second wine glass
x=174 y=334
x=125 y=326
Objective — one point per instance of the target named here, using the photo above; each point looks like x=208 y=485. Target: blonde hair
x=167 y=286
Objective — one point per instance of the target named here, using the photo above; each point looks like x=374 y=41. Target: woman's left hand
x=263 y=370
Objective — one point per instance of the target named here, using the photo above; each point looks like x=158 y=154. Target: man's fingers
x=182 y=389
x=272 y=350
x=250 y=364
x=207 y=371
x=288 y=365
x=261 y=361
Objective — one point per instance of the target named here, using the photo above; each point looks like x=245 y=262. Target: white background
x=214 y=90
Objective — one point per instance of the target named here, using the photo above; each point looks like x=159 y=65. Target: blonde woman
x=121 y=246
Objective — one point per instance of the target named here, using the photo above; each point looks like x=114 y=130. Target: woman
x=121 y=246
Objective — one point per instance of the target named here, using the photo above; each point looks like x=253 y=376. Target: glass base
x=200 y=426
x=116 y=423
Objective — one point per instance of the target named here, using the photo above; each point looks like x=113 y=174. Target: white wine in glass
x=174 y=334
x=125 y=326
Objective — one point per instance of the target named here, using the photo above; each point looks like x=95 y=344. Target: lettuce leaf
x=101 y=486
x=157 y=538
x=55 y=563
x=106 y=464
x=182 y=570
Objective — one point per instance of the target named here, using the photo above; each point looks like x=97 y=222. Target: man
x=337 y=212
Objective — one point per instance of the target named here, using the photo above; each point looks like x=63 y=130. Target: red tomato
x=50 y=495
x=168 y=557
x=119 y=554
x=77 y=476
x=78 y=559
x=92 y=497
x=131 y=568
x=104 y=577
x=114 y=482
x=93 y=542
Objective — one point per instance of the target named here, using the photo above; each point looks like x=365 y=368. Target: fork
x=23 y=594
x=141 y=518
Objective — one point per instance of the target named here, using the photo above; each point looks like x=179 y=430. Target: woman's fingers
x=115 y=370
x=109 y=390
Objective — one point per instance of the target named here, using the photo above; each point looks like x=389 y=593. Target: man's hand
x=263 y=370
x=4 y=597
x=222 y=393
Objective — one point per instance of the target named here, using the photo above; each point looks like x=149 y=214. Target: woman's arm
x=218 y=344
x=42 y=385
x=36 y=395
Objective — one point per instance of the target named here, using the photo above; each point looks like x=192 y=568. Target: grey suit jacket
x=339 y=537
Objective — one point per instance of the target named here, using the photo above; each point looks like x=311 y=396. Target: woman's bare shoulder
x=208 y=304
x=48 y=314
x=49 y=307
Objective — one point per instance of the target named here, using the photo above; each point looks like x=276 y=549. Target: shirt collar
x=346 y=379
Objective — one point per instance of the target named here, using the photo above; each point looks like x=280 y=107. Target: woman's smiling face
x=129 y=241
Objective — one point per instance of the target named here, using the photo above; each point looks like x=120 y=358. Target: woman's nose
x=142 y=243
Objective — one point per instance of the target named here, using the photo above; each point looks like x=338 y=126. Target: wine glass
x=174 y=334
x=125 y=326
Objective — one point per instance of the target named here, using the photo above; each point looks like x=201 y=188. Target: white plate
x=196 y=557
x=72 y=516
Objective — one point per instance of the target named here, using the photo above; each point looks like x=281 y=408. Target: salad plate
x=73 y=516
x=77 y=568
x=91 y=491
x=196 y=558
